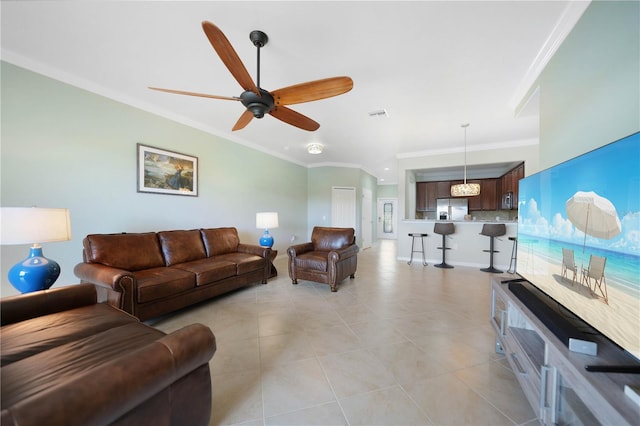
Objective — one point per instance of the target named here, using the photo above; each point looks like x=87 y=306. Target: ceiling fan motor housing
x=258 y=105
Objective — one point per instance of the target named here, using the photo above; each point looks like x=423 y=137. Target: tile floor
x=397 y=345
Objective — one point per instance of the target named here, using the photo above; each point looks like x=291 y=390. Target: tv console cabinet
x=554 y=378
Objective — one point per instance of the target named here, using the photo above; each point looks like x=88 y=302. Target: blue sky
x=612 y=171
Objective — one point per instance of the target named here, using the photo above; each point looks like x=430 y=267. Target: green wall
x=590 y=89
x=388 y=191
x=66 y=147
x=320 y=182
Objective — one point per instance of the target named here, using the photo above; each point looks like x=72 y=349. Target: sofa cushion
x=26 y=338
x=314 y=260
x=79 y=355
x=209 y=270
x=220 y=240
x=328 y=239
x=131 y=252
x=244 y=262
x=157 y=283
x=181 y=246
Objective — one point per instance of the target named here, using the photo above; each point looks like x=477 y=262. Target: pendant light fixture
x=465 y=189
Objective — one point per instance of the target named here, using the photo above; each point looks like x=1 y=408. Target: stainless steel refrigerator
x=452 y=208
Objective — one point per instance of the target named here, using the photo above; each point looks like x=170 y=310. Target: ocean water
x=622 y=270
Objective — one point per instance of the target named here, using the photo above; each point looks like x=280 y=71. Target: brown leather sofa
x=151 y=274
x=68 y=360
x=329 y=258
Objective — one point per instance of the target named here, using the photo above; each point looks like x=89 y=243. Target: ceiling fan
x=259 y=101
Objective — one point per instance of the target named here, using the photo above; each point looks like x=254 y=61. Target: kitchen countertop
x=466 y=246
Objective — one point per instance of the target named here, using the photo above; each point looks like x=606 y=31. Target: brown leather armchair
x=328 y=258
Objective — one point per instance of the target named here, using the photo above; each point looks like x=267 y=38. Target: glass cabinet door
x=499 y=318
x=565 y=407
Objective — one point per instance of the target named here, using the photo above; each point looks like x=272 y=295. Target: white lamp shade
x=266 y=220
x=32 y=225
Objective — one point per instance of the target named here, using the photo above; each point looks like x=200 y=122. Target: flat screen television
x=580 y=213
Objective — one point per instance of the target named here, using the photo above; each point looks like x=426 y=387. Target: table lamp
x=266 y=221
x=33 y=225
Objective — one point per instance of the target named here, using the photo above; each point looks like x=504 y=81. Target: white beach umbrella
x=594 y=215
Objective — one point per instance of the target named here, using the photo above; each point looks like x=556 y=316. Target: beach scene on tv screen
x=579 y=237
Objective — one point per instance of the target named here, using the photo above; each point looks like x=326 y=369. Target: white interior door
x=367 y=221
x=387 y=218
x=343 y=207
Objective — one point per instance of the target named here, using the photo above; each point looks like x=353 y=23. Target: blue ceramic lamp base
x=266 y=240
x=34 y=273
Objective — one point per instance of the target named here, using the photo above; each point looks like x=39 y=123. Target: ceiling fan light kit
x=465 y=189
x=258 y=101
x=315 y=148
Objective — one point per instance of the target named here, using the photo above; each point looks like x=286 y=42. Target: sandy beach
x=619 y=319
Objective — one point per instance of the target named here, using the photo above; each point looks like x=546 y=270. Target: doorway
x=387 y=212
x=343 y=207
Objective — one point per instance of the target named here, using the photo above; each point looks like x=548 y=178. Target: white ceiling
x=432 y=65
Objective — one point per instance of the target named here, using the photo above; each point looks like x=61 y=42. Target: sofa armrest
x=104 y=394
x=103 y=275
x=299 y=249
x=345 y=253
x=254 y=249
x=31 y=305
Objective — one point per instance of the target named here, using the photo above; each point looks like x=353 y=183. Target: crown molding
x=569 y=18
x=472 y=148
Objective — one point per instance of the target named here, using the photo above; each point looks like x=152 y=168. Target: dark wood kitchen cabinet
x=443 y=189
x=487 y=200
x=475 y=202
x=489 y=194
x=509 y=183
x=426 y=196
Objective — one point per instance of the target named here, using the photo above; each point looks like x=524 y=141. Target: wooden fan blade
x=244 y=119
x=312 y=90
x=229 y=56
x=294 y=118
x=202 y=95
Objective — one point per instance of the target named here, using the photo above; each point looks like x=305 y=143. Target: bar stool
x=492 y=230
x=413 y=250
x=514 y=255
x=444 y=229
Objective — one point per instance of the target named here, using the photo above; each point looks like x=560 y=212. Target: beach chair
x=568 y=264
x=595 y=273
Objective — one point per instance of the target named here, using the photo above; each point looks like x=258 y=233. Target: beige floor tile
x=281 y=349
x=407 y=362
x=500 y=387
x=357 y=313
x=398 y=345
x=332 y=340
x=236 y=356
x=375 y=333
x=237 y=397
x=356 y=372
x=390 y=406
x=446 y=400
x=294 y=386
x=452 y=354
x=322 y=415
x=286 y=321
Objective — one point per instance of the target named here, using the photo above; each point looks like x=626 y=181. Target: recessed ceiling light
x=386 y=169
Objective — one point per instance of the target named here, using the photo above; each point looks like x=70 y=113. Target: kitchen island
x=466 y=244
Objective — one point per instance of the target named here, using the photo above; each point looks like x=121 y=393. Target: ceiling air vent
x=379 y=113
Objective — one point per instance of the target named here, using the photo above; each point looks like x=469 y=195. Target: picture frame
x=161 y=171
